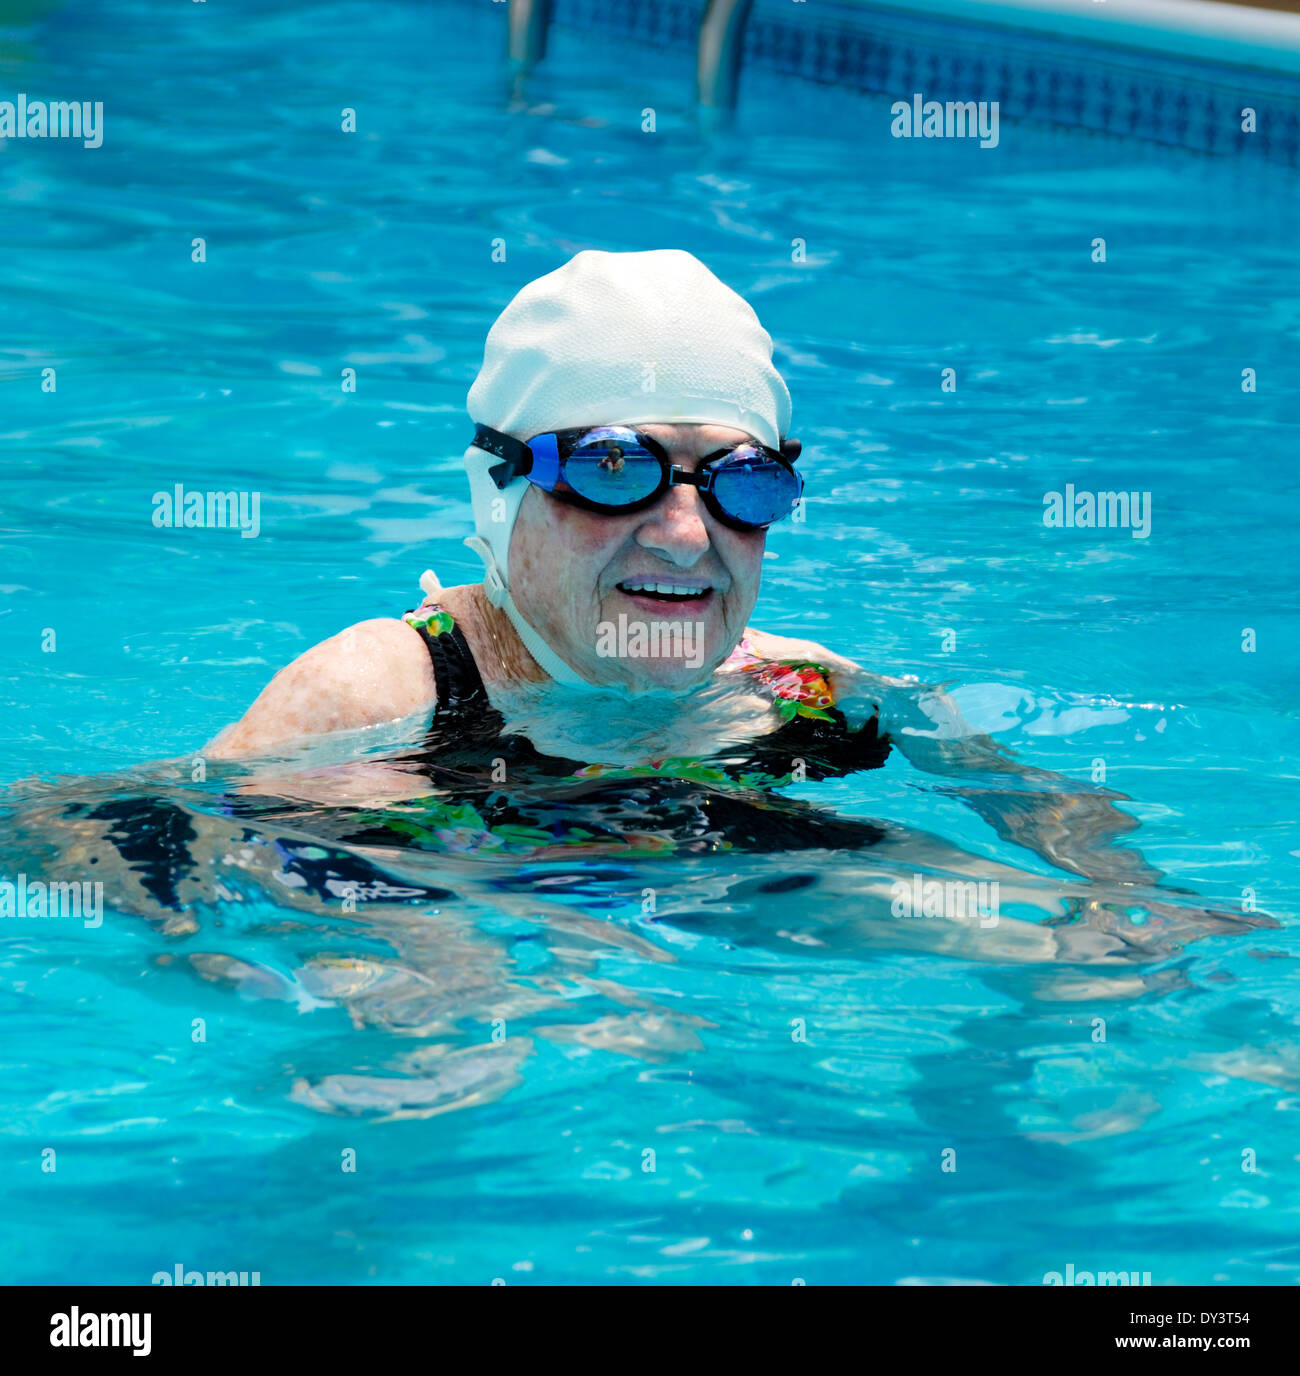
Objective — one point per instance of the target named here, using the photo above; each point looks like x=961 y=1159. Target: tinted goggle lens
x=611 y=467
x=753 y=488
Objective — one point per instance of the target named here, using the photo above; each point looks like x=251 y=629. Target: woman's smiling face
x=573 y=572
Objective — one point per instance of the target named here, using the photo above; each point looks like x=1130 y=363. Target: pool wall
x=1174 y=72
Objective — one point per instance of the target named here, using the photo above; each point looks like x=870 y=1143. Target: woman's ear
x=791 y=449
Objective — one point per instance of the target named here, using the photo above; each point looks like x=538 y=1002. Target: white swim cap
x=607 y=338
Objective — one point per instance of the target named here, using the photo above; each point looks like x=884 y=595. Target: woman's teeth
x=665 y=589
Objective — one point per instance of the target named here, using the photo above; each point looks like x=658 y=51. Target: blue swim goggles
x=615 y=469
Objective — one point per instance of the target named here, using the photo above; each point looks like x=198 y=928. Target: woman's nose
x=676 y=526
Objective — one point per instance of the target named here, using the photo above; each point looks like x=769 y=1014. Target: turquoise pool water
x=622 y=1032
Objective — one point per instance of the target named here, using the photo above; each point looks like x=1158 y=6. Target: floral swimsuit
x=709 y=803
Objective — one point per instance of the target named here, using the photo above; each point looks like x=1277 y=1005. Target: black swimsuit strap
x=827 y=748
x=464 y=718
x=462 y=698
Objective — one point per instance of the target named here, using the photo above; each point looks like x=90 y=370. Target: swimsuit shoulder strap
x=815 y=729
x=461 y=693
x=827 y=745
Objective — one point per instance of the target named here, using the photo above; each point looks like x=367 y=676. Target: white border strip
x=1203 y=29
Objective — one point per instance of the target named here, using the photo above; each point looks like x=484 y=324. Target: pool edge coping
x=1208 y=30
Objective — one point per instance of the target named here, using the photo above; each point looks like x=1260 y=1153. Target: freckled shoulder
x=375 y=671
x=787 y=648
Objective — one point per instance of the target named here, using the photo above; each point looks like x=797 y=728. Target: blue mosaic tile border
x=1111 y=90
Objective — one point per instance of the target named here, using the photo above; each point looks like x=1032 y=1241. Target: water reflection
x=362 y=888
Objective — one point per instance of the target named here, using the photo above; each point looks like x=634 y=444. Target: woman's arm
x=373 y=672
x=1070 y=824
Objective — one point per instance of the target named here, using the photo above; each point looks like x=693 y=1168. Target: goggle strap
x=517 y=455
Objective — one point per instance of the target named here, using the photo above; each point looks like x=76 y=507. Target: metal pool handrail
x=717 y=62
x=1204 y=29
x=529 y=21
x=717 y=66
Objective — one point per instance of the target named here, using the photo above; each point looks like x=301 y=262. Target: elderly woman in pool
x=605 y=506
x=573 y=572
